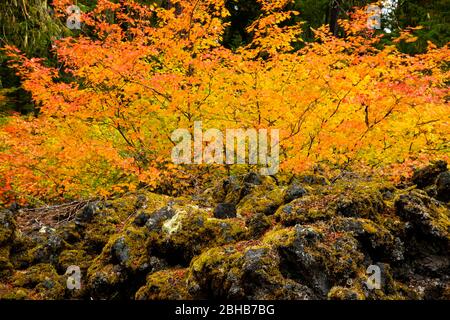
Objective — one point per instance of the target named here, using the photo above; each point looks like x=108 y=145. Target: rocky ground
x=249 y=237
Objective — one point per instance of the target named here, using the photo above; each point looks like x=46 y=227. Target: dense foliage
x=136 y=72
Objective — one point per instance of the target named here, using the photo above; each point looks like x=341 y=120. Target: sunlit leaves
x=148 y=70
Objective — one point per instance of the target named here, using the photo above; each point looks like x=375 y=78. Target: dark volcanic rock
x=242 y=272
x=427 y=215
x=155 y=221
x=443 y=186
x=294 y=191
x=7 y=227
x=308 y=256
x=86 y=214
x=141 y=218
x=314 y=179
x=253 y=178
x=254 y=237
x=426 y=176
x=225 y=211
x=361 y=203
x=258 y=224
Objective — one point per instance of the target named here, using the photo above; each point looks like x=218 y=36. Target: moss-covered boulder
x=7 y=236
x=264 y=198
x=104 y=220
x=427 y=215
x=168 y=284
x=47 y=249
x=443 y=187
x=307 y=209
x=21 y=253
x=233 y=188
x=317 y=256
x=361 y=201
x=42 y=282
x=10 y=293
x=6 y=267
x=7 y=227
x=121 y=266
x=426 y=176
x=192 y=230
x=74 y=257
x=242 y=271
x=294 y=191
x=376 y=241
x=258 y=224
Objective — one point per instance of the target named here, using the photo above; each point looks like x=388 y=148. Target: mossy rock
x=389 y=288
x=7 y=227
x=48 y=249
x=377 y=241
x=106 y=281
x=165 y=285
x=234 y=188
x=123 y=261
x=8 y=293
x=258 y=224
x=6 y=266
x=21 y=254
x=244 y=270
x=362 y=200
x=443 y=187
x=426 y=176
x=42 y=280
x=111 y=216
x=306 y=209
x=316 y=255
x=342 y=293
x=74 y=257
x=428 y=216
x=190 y=231
x=266 y=199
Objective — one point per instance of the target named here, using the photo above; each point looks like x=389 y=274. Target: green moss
x=10 y=293
x=116 y=215
x=22 y=252
x=104 y=281
x=126 y=249
x=248 y=270
x=363 y=201
x=212 y=272
x=279 y=237
x=165 y=285
x=6 y=266
x=263 y=199
x=122 y=260
x=342 y=293
x=317 y=254
x=7 y=227
x=190 y=231
x=372 y=236
x=306 y=209
x=74 y=258
x=427 y=214
x=390 y=288
x=258 y=224
x=34 y=275
x=43 y=281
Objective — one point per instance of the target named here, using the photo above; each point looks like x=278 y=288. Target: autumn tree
x=142 y=71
